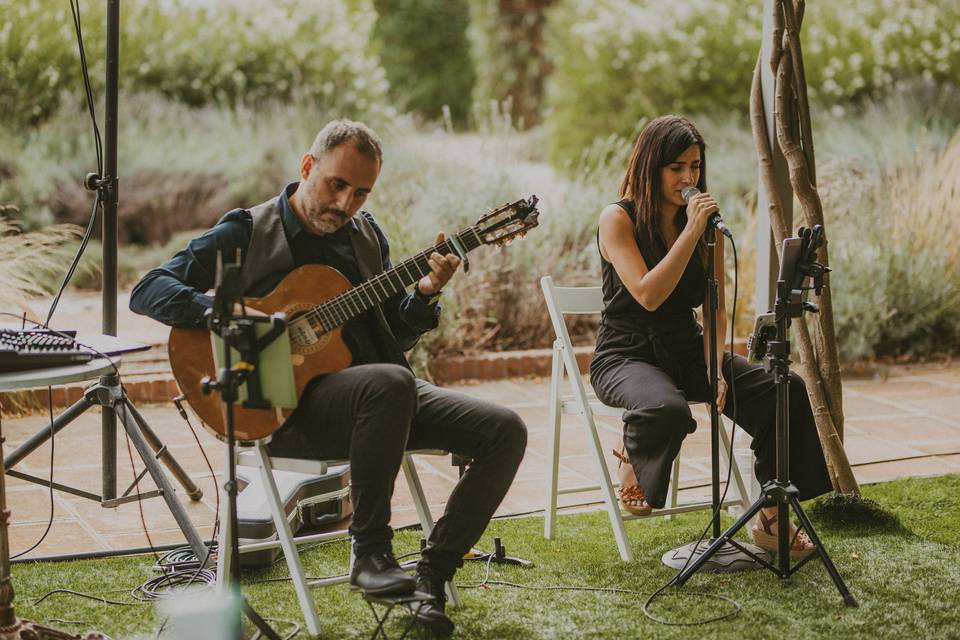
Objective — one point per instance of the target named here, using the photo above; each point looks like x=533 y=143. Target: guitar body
x=191 y=353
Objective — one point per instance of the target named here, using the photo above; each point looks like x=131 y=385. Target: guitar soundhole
x=304 y=334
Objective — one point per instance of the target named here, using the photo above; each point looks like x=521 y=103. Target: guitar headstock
x=510 y=221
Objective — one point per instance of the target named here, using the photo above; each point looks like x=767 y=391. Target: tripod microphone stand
x=798 y=261
x=726 y=557
x=238 y=332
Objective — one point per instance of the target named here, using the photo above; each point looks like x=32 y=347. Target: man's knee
x=502 y=436
x=513 y=431
x=390 y=387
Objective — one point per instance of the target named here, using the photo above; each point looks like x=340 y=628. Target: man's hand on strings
x=442 y=269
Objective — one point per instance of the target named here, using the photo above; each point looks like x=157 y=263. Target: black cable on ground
x=81 y=595
x=165 y=585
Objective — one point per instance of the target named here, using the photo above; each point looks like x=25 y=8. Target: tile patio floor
x=907 y=424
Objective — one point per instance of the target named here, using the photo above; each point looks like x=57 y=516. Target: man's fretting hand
x=442 y=269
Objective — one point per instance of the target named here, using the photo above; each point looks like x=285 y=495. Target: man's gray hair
x=338 y=132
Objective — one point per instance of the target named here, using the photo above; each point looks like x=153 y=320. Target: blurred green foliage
x=426 y=55
x=618 y=61
x=228 y=54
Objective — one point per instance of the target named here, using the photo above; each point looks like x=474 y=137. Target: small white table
x=53 y=376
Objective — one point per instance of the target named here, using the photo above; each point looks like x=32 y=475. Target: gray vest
x=269 y=259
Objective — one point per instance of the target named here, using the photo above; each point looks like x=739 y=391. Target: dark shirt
x=175 y=293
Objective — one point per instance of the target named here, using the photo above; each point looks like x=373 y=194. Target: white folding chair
x=256 y=456
x=562 y=301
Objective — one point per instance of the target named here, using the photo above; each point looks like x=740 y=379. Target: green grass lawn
x=907 y=582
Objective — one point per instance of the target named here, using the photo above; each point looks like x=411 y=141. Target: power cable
x=98 y=146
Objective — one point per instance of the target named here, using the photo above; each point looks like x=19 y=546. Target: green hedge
x=231 y=54
x=426 y=55
x=619 y=61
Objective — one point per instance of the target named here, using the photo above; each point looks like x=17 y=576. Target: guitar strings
x=342 y=307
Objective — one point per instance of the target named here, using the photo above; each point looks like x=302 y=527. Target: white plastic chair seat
x=562 y=301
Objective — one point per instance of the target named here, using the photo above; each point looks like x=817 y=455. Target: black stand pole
x=711 y=237
x=729 y=558
x=109 y=189
x=781 y=491
x=237 y=332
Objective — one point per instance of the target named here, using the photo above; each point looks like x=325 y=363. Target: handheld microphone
x=714 y=220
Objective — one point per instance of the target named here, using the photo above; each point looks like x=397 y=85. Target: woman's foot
x=765 y=531
x=632 y=497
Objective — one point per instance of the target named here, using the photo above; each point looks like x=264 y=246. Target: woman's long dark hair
x=660 y=143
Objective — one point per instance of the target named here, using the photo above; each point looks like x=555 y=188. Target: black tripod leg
x=156 y=472
x=848 y=599
x=684 y=575
x=257 y=621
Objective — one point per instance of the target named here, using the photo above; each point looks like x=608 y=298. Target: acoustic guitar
x=318 y=300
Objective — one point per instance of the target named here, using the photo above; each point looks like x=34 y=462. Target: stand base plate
x=727 y=558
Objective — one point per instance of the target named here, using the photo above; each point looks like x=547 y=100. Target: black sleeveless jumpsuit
x=652 y=363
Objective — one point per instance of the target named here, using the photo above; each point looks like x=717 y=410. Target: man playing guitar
x=373 y=410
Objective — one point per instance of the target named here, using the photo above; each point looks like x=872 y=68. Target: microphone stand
x=728 y=557
x=781 y=491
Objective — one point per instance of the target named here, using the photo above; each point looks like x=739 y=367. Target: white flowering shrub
x=223 y=53
x=619 y=61
x=38 y=58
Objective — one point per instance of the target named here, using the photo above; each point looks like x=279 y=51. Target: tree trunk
x=519 y=30
x=828 y=356
x=791 y=113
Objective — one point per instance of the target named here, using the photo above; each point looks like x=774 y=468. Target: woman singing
x=651 y=356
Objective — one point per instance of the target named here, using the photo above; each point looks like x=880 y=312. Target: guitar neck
x=353 y=302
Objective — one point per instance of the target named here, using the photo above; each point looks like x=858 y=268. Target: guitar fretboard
x=353 y=302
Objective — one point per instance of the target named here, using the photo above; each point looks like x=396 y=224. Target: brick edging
x=500 y=365
x=161 y=387
x=512 y=364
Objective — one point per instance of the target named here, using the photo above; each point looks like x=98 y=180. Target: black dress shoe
x=378 y=574
x=431 y=615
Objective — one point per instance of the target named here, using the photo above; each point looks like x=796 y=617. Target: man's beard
x=321 y=222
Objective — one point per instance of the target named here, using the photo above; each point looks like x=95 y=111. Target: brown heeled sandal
x=765 y=537
x=632 y=497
